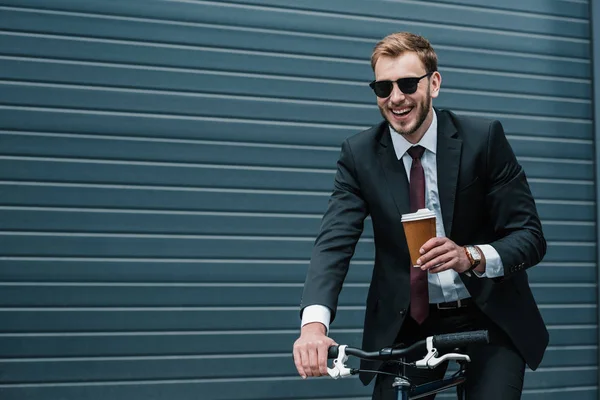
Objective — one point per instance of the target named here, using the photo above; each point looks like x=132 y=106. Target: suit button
x=402 y=312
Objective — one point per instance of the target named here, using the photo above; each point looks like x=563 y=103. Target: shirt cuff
x=317 y=313
x=493 y=263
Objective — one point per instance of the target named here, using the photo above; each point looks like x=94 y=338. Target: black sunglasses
x=406 y=85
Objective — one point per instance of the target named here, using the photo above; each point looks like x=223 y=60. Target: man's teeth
x=401 y=112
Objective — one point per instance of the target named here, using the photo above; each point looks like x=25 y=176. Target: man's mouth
x=401 y=112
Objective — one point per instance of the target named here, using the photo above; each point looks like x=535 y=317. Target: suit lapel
x=448 y=163
x=394 y=172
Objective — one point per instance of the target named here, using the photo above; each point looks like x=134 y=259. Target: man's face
x=409 y=114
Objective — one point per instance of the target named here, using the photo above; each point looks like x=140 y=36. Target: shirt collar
x=429 y=139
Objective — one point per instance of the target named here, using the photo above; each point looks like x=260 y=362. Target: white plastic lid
x=423 y=213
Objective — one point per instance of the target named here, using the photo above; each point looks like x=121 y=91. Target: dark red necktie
x=419 y=292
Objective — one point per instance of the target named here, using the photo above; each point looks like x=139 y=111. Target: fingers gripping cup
x=419 y=227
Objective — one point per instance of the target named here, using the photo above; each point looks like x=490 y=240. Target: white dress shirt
x=444 y=286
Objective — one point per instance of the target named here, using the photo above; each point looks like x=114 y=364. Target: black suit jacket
x=485 y=199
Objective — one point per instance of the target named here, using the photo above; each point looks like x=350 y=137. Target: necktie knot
x=416 y=152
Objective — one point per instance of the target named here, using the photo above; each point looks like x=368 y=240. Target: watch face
x=475 y=253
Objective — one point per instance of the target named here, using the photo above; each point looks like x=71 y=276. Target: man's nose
x=397 y=96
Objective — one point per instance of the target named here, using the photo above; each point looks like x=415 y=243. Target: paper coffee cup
x=419 y=227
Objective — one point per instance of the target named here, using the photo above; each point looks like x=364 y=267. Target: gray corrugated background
x=164 y=167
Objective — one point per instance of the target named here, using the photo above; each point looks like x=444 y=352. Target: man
x=488 y=233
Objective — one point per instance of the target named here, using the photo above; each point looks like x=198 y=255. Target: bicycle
x=432 y=345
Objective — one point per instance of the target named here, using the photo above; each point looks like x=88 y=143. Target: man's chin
x=404 y=129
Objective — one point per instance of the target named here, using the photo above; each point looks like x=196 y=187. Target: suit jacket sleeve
x=512 y=209
x=340 y=230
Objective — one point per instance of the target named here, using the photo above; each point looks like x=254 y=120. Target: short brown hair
x=396 y=44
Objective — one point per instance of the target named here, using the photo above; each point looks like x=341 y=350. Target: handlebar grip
x=332 y=352
x=452 y=340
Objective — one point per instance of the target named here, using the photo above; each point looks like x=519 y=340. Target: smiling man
x=471 y=276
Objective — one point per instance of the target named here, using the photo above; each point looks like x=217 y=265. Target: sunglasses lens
x=383 y=88
x=408 y=85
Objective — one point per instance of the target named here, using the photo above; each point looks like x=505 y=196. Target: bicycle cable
x=461 y=370
x=374 y=372
x=403 y=363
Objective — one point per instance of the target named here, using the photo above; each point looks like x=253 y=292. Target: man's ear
x=436 y=83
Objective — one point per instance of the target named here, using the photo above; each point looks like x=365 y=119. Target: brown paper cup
x=419 y=227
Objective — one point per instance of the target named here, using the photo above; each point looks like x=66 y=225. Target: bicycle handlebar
x=430 y=346
x=382 y=355
x=441 y=342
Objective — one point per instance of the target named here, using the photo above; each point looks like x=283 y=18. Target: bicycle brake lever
x=339 y=369
x=431 y=360
x=448 y=356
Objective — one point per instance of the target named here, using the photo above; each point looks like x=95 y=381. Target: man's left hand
x=440 y=253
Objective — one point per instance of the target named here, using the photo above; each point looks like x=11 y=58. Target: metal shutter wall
x=164 y=167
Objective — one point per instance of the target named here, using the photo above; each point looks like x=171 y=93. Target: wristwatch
x=473 y=255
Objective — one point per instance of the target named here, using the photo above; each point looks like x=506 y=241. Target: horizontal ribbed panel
x=241 y=271
x=120 y=319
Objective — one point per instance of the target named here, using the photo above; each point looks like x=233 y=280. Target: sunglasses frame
x=398 y=83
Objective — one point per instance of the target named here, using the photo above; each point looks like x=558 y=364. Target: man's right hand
x=310 y=350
